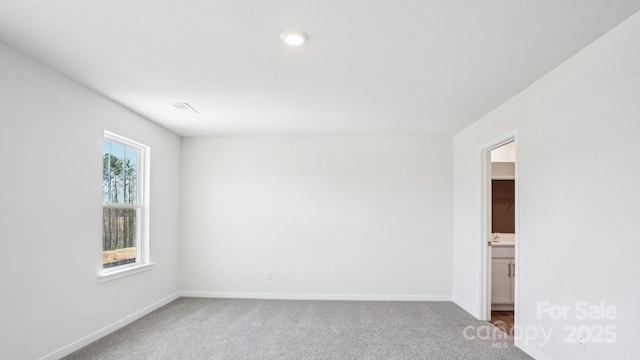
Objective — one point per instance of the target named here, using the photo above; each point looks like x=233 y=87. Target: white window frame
x=143 y=262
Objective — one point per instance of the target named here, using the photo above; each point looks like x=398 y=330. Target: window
x=124 y=216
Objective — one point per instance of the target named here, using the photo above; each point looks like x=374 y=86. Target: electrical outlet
x=113 y=297
x=582 y=343
x=269 y=275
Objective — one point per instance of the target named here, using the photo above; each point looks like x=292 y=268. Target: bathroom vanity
x=503 y=271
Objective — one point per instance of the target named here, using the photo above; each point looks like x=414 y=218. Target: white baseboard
x=76 y=345
x=466 y=307
x=231 y=295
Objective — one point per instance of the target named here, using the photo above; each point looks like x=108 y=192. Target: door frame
x=485 y=224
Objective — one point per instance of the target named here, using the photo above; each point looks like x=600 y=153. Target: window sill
x=118 y=274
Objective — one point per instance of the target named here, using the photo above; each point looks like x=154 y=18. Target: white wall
x=332 y=217
x=51 y=133
x=579 y=189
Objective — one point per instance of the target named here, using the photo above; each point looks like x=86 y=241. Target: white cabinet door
x=501 y=281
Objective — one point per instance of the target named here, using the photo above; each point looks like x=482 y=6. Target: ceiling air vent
x=185 y=108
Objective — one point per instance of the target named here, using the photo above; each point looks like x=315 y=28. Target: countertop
x=503 y=239
x=503 y=243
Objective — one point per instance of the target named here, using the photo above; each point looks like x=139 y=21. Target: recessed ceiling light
x=294 y=37
x=185 y=108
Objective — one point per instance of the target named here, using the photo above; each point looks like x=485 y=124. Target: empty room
x=260 y=179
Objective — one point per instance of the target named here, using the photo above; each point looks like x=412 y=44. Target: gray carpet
x=195 y=328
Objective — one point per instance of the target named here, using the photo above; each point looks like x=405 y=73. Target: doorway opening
x=499 y=234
